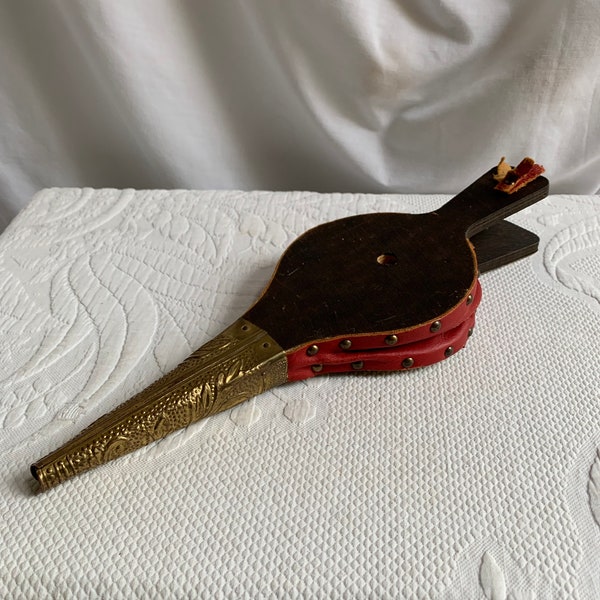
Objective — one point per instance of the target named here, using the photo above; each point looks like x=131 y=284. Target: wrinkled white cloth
x=475 y=478
x=326 y=95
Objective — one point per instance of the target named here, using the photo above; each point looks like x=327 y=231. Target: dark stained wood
x=383 y=272
x=480 y=205
x=502 y=244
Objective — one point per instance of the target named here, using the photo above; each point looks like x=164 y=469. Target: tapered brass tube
x=239 y=363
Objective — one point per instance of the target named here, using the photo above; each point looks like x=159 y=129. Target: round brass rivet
x=312 y=350
x=345 y=344
x=359 y=364
x=435 y=326
x=317 y=368
x=469 y=299
x=470 y=332
x=390 y=340
x=387 y=259
x=407 y=363
x=449 y=351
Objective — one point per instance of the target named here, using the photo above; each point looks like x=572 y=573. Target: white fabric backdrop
x=344 y=95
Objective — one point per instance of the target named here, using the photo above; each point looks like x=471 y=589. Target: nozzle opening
x=34 y=472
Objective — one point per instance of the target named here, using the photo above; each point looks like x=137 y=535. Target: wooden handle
x=480 y=205
x=501 y=244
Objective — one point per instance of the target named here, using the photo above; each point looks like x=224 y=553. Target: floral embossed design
x=241 y=362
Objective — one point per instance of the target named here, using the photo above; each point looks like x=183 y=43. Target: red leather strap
x=416 y=347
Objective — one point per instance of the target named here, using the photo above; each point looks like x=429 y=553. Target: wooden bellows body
x=377 y=282
x=382 y=291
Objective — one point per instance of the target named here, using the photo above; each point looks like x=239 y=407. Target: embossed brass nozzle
x=239 y=363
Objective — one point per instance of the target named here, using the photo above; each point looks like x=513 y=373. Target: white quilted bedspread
x=478 y=477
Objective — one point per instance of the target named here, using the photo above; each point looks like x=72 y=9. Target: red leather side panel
x=417 y=347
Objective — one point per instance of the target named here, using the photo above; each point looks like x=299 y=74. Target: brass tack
x=449 y=351
x=359 y=364
x=317 y=368
x=470 y=333
x=312 y=350
x=390 y=340
x=345 y=344
x=435 y=326
x=407 y=363
x=469 y=299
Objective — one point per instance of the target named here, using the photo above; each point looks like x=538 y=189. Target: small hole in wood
x=387 y=259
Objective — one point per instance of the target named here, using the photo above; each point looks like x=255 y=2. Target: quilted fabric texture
x=478 y=477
